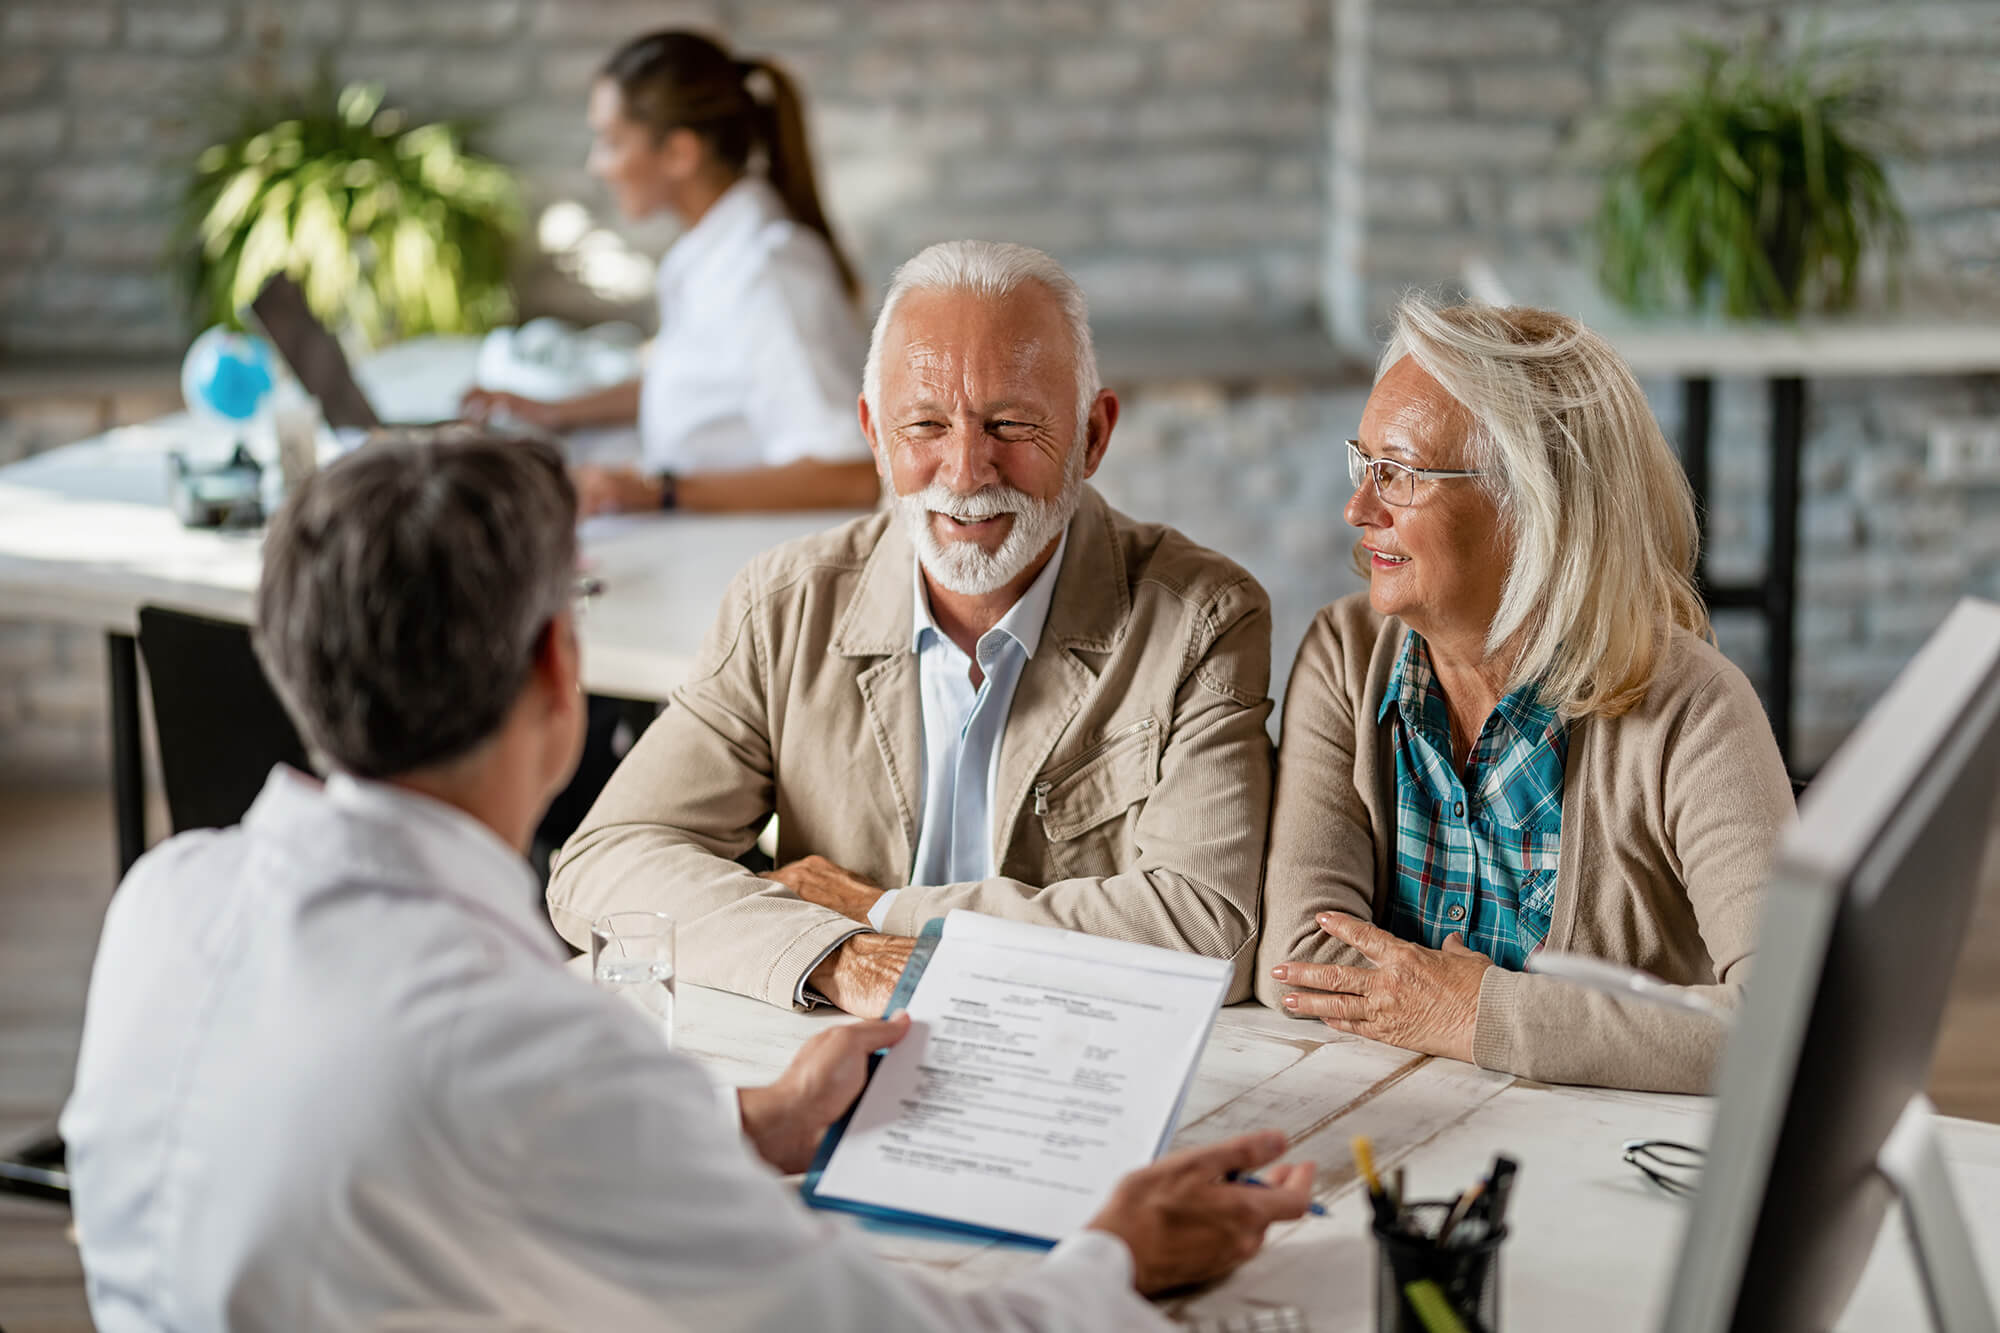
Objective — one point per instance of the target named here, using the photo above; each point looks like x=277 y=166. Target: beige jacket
x=1671 y=815
x=1134 y=780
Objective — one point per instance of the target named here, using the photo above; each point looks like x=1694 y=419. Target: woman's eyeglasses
x=1672 y=1167
x=1395 y=482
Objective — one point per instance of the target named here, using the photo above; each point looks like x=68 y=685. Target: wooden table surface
x=1592 y=1244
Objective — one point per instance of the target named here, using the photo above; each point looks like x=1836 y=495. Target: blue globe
x=226 y=377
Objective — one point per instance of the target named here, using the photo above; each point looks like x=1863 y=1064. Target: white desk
x=1592 y=1245
x=86 y=539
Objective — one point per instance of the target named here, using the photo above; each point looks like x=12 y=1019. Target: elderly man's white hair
x=993 y=269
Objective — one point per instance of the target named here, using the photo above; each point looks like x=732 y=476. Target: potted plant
x=392 y=228
x=1757 y=187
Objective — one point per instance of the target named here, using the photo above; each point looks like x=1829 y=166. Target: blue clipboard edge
x=906 y=986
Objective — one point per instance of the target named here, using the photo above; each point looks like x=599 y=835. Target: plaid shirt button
x=1457 y=912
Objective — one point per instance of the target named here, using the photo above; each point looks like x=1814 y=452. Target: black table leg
x=127 y=762
x=1697 y=412
x=1775 y=596
x=1781 y=578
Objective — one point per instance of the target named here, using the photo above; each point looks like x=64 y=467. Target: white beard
x=962 y=566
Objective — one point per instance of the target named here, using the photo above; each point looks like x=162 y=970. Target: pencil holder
x=1466 y=1274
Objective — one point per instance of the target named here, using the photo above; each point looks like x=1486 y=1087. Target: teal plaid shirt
x=1476 y=852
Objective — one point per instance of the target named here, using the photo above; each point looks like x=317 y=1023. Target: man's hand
x=820 y=881
x=1184 y=1223
x=614 y=490
x=1417 y=998
x=861 y=974
x=786 y=1119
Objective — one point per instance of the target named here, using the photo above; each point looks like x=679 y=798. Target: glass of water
x=632 y=953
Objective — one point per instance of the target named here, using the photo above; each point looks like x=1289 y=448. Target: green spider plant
x=1756 y=186
x=392 y=229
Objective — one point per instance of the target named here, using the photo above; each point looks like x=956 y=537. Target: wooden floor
x=56 y=868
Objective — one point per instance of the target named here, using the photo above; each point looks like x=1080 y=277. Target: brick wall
x=1169 y=150
x=1474 y=126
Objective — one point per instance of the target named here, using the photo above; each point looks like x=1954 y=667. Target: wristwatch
x=669 y=490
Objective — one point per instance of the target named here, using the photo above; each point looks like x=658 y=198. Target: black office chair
x=219 y=722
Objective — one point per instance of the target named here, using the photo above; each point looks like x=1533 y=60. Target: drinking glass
x=632 y=954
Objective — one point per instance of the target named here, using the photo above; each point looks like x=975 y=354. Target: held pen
x=1245 y=1178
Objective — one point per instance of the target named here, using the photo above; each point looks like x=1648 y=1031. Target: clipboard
x=906 y=986
x=911 y=1209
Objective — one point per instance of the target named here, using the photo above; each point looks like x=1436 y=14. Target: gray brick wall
x=1474 y=126
x=1169 y=150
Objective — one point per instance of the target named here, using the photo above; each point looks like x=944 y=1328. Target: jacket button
x=1457 y=912
x=1458 y=809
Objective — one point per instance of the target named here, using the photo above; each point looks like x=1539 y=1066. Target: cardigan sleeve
x=1322 y=848
x=1727 y=802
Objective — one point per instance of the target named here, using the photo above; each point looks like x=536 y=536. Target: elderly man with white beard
x=1000 y=695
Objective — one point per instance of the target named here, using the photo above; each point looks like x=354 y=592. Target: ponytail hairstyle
x=682 y=80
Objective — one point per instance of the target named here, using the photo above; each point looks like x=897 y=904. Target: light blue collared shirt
x=962 y=731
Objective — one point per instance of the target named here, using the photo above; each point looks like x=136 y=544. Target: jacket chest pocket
x=1080 y=800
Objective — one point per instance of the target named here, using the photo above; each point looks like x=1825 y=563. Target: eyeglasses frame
x=1358 y=461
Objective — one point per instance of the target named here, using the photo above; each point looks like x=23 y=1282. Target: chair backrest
x=220 y=724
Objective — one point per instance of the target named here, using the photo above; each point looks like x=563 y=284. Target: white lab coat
x=758 y=359
x=334 y=1076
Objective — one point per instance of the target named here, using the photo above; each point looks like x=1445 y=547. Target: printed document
x=1041 y=1065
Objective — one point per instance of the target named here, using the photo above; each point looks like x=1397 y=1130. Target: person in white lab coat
x=747 y=396
x=334 y=1074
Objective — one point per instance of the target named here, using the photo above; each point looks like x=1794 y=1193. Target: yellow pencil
x=1364 y=1158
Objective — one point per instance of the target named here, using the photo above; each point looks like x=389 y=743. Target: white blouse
x=758 y=358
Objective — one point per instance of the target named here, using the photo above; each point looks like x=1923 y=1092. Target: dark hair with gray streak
x=406 y=590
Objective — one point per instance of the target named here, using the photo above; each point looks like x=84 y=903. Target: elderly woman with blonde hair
x=1521 y=736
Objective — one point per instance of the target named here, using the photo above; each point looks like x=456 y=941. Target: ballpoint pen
x=1245 y=1178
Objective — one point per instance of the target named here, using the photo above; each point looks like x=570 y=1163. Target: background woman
x=1520 y=736
x=747 y=397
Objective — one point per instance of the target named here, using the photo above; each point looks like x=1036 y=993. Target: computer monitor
x=1866 y=910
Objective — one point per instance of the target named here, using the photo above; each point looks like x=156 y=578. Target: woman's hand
x=1417 y=998
x=614 y=490
x=485 y=404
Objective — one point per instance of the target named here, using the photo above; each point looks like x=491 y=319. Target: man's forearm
x=737 y=931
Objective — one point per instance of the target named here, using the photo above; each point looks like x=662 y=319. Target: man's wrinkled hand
x=1420 y=999
x=786 y=1119
x=861 y=974
x=1185 y=1221
x=818 y=880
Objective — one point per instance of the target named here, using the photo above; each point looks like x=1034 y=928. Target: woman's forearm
x=806 y=484
x=615 y=406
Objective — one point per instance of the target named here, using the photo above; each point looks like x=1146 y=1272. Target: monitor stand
x=1946 y=1262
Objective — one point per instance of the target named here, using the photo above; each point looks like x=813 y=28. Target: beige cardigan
x=1671 y=815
